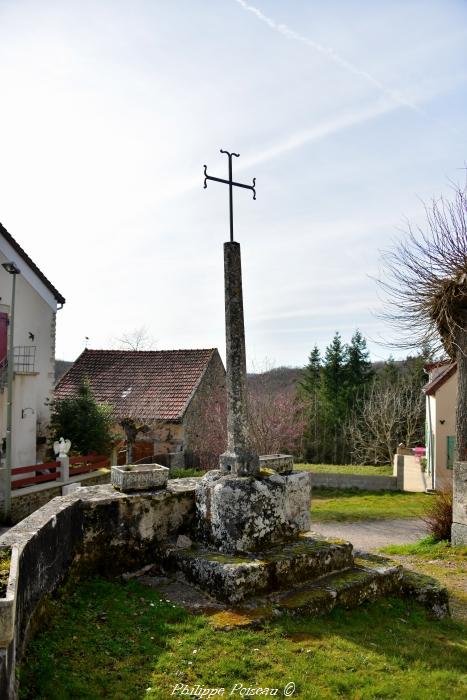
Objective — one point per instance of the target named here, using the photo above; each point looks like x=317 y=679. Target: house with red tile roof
x=36 y=302
x=440 y=393
x=167 y=390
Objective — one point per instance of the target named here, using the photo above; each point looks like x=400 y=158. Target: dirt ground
x=370 y=535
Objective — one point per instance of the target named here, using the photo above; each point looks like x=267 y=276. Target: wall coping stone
x=95 y=528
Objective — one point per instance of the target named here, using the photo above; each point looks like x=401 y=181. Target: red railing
x=50 y=471
x=89 y=463
x=38 y=473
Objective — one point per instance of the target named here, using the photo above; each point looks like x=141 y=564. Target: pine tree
x=308 y=391
x=311 y=375
x=333 y=373
x=358 y=366
x=389 y=372
x=332 y=398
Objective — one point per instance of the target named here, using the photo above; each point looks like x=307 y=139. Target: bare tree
x=276 y=423
x=389 y=414
x=425 y=281
x=209 y=440
x=131 y=428
x=276 y=415
x=137 y=339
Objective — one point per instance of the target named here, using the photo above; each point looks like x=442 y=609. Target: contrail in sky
x=331 y=55
x=319 y=131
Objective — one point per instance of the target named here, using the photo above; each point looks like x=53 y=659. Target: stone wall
x=210 y=389
x=354 y=481
x=162 y=437
x=94 y=529
x=410 y=473
x=459 y=504
x=25 y=501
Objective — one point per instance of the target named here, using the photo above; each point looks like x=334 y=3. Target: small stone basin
x=139 y=477
x=282 y=464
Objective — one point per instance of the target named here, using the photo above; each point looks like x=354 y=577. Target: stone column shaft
x=238 y=460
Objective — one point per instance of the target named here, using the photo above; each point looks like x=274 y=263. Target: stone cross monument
x=239 y=460
x=239 y=508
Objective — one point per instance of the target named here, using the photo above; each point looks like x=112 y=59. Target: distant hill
x=61 y=366
x=286 y=378
x=276 y=380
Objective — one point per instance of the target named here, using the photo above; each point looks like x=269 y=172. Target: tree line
x=340 y=409
x=358 y=412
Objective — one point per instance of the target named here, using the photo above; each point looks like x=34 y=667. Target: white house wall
x=445 y=425
x=35 y=313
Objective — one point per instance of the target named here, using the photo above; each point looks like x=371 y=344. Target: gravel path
x=372 y=534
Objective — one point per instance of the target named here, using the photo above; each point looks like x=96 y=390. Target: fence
x=51 y=471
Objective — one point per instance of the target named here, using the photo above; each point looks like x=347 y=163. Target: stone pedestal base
x=239 y=464
x=459 y=504
x=247 y=514
x=458 y=534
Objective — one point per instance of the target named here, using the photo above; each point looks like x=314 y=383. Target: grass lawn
x=121 y=641
x=183 y=473
x=443 y=562
x=352 y=504
x=385 y=470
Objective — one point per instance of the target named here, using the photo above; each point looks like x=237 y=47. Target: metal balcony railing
x=25 y=358
x=25 y=361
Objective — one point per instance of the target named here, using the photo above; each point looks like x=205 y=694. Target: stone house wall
x=162 y=438
x=180 y=436
x=211 y=389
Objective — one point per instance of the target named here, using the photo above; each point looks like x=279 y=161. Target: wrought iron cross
x=231 y=183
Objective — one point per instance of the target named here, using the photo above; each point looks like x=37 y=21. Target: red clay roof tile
x=144 y=384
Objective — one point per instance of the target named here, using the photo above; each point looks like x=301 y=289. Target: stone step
x=347 y=589
x=234 y=578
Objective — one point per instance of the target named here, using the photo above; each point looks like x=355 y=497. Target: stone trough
x=139 y=477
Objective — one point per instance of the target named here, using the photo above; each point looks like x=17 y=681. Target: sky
x=349 y=114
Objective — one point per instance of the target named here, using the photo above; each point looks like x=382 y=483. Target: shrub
x=83 y=421
x=439 y=516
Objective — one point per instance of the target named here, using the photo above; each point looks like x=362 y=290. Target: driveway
x=372 y=534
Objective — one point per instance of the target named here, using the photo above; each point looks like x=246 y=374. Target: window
x=451 y=451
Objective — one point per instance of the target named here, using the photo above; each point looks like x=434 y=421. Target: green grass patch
x=353 y=504
x=428 y=548
x=444 y=562
x=183 y=473
x=385 y=470
x=121 y=641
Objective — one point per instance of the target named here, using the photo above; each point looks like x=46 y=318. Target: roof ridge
x=446 y=373
x=22 y=253
x=149 y=351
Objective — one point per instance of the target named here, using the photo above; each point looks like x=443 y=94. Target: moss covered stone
x=5 y=559
x=427 y=591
